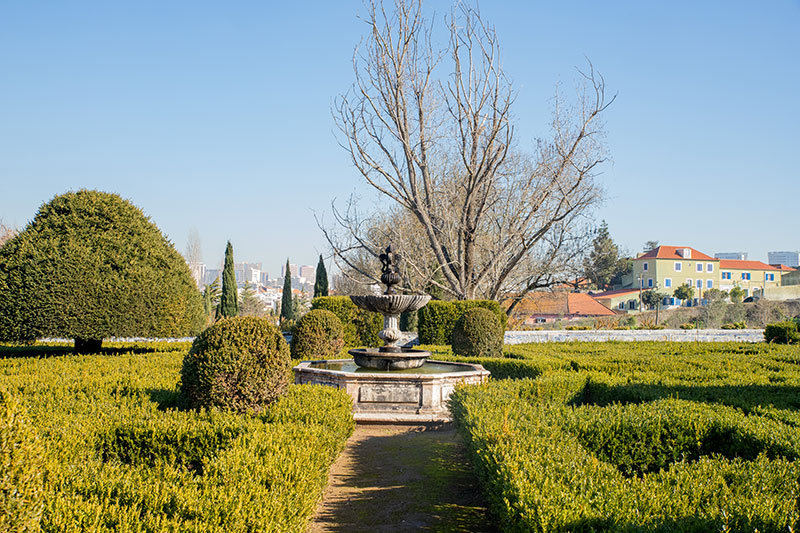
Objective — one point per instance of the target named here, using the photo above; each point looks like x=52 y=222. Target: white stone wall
x=679 y=335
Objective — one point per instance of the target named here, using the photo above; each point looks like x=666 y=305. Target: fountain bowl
x=381 y=359
x=391 y=304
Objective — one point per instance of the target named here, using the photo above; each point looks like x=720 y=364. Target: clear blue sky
x=217 y=114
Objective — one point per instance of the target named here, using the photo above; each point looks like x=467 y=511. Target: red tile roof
x=671 y=252
x=737 y=264
x=784 y=268
x=566 y=304
x=580 y=303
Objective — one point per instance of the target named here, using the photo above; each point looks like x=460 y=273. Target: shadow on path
x=402 y=478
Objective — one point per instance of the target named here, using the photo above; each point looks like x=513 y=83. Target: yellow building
x=752 y=276
x=667 y=267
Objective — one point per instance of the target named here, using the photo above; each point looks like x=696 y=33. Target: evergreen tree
x=211 y=295
x=321 y=283
x=250 y=305
x=604 y=261
x=287 y=309
x=229 y=302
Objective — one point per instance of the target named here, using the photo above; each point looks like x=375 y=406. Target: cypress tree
x=229 y=302
x=287 y=310
x=321 y=283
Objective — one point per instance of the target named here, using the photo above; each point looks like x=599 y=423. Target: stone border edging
x=630 y=335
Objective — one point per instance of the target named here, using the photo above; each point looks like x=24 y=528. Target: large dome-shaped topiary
x=238 y=364
x=478 y=333
x=91 y=265
x=318 y=335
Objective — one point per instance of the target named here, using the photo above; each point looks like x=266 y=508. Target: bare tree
x=194 y=250
x=6 y=232
x=494 y=222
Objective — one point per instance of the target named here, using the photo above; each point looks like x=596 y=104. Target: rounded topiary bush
x=238 y=364
x=91 y=265
x=21 y=482
x=478 y=333
x=318 y=335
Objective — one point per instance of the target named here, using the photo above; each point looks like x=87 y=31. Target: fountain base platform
x=384 y=359
x=412 y=395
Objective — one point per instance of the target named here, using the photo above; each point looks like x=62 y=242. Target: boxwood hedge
x=360 y=327
x=664 y=437
x=437 y=319
x=119 y=456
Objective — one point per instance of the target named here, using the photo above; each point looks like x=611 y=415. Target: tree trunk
x=88 y=346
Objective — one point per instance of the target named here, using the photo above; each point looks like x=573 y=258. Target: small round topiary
x=21 y=479
x=318 y=335
x=478 y=333
x=239 y=364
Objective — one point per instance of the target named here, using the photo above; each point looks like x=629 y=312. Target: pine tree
x=229 y=302
x=250 y=304
x=321 y=283
x=287 y=309
x=603 y=262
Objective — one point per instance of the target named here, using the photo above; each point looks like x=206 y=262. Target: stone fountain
x=392 y=383
x=390 y=356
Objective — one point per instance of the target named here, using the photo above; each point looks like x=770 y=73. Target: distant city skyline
x=218 y=116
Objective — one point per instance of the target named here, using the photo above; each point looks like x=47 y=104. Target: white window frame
x=709 y=267
x=698 y=284
x=667 y=283
x=649 y=283
x=699 y=267
x=644 y=266
x=709 y=284
x=690 y=282
x=678 y=266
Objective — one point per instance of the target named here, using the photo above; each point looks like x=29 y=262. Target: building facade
x=667 y=267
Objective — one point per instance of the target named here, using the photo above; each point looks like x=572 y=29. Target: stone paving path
x=402 y=478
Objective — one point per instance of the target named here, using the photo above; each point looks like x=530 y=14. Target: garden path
x=402 y=478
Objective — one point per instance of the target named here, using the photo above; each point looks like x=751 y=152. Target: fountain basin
x=381 y=359
x=409 y=395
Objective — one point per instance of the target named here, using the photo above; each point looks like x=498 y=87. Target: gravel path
x=402 y=478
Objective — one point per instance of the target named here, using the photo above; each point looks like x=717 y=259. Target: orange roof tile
x=784 y=268
x=561 y=304
x=738 y=264
x=671 y=252
x=582 y=304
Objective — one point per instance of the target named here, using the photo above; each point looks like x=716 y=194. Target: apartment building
x=752 y=276
x=668 y=267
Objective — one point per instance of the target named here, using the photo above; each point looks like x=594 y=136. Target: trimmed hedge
x=437 y=319
x=119 y=457
x=598 y=441
x=240 y=364
x=21 y=469
x=318 y=335
x=782 y=333
x=478 y=333
x=360 y=327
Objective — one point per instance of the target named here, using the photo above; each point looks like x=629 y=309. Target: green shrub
x=782 y=333
x=21 y=465
x=239 y=364
x=478 y=333
x=547 y=465
x=436 y=320
x=318 y=335
x=90 y=266
x=734 y=325
x=204 y=470
x=360 y=327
